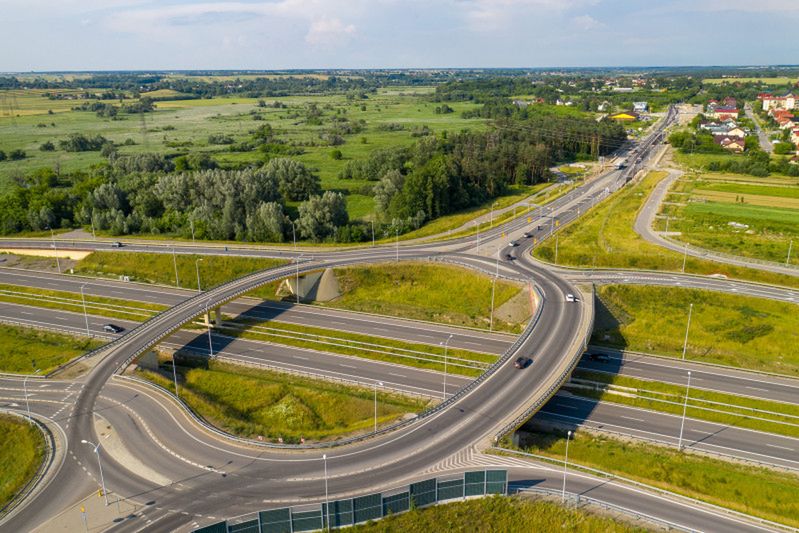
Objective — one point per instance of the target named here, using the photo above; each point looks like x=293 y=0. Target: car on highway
x=510 y=257
x=528 y=234
x=513 y=243
x=116 y=244
x=522 y=362
x=599 y=357
x=113 y=328
x=571 y=298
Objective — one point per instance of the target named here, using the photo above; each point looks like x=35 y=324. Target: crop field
x=753 y=490
x=750 y=219
x=251 y=403
x=727 y=329
x=779 y=80
x=21 y=453
x=25 y=350
x=605 y=237
x=177 y=127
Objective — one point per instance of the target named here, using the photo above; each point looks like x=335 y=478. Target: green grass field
x=183 y=126
x=21 y=453
x=703 y=207
x=727 y=329
x=757 y=491
x=605 y=237
x=777 y=80
x=160 y=268
x=739 y=411
x=251 y=402
x=431 y=292
x=497 y=514
x=25 y=350
x=462 y=362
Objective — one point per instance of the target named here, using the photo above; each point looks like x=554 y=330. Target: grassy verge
x=251 y=403
x=497 y=514
x=24 y=350
x=728 y=329
x=21 y=453
x=160 y=268
x=756 y=491
x=604 y=237
x=69 y=301
x=435 y=293
x=727 y=409
x=459 y=361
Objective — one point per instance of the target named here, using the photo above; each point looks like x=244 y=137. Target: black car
x=113 y=328
x=509 y=257
x=522 y=362
x=599 y=357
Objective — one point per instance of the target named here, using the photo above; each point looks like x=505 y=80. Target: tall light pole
x=446 y=347
x=208 y=315
x=85 y=316
x=191 y=223
x=790 y=246
x=175 y=375
x=684 y=257
x=25 y=390
x=397 y=244
x=373 y=232
x=565 y=465
x=376 y=384
x=687 y=327
x=293 y=235
x=492 y=214
x=684 y=409
x=100 y=465
x=491 y=320
x=55 y=249
x=175 y=262
x=297 y=279
x=197 y=268
x=327 y=500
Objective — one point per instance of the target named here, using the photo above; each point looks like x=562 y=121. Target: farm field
x=251 y=402
x=605 y=237
x=727 y=329
x=392 y=118
x=753 y=490
x=778 y=80
x=757 y=218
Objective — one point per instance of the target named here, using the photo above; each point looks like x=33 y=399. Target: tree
x=2 y=155
x=47 y=146
x=295 y=181
x=17 y=155
x=266 y=223
x=385 y=190
x=321 y=215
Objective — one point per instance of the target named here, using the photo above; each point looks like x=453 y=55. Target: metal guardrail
x=651 y=488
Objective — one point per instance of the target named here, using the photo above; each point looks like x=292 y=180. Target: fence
x=351 y=511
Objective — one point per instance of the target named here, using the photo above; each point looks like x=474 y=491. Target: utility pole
x=55 y=249
x=191 y=222
x=565 y=465
x=100 y=465
x=175 y=262
x=293 y=235
x=397 y=244
x=684 y=409
x=557 y=239
x=85 y=315
x=684 y=257
x=790 y=246
x=373 y=232
x=208 y=316
x=175 y=375
x=446 y=345
x=197 y=268
x=685 y=342
x=376 y=384
x=491 y=320
x=327 y=500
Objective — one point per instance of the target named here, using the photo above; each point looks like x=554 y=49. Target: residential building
x=640 y=107
x=730 y=143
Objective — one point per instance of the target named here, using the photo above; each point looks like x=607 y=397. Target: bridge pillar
x=218 y=317
x=215 y=320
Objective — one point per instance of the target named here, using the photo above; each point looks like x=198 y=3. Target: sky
x=57 y=35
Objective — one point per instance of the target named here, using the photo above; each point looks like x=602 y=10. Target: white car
x=570 y=298
x=513 y=243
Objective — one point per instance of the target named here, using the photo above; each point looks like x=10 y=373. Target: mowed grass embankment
x=498 y=514
x=757 y=491
x=728 y=409
x=25 y=350
x=751 y=219
x=22 y=449
x=251 y=403
x=421 y=291
x=604 y=237
x=728 y=329
x=160 y=268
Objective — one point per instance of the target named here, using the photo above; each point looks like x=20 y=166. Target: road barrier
x=350 y=511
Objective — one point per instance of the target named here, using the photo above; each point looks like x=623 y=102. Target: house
x=795 y=136
x=724 y=113
x=625 y=116
x=640 y=107
x=730 y=143
x=729 y=101
x=770 y=101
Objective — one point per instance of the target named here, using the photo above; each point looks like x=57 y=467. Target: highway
x=217 y=476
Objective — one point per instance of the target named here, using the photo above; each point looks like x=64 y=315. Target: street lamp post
x=175 y=263
x=25 y=390
x=100 y=465
x=491 y=319
x=55 y=249
x=446 y=347
x=373 y=232
x=684 y=257
x=492 y=214
x=687 y=327
x=175 y=375
x=85 y=315
x=790 y=246
x=327 y=500
x=297 y=280
x=397 y=230
x=191 y=223
x=293 y=235
x=197 y=268
x=684 y=409
x=565 y=465
x=208 y=316
x=376 y=384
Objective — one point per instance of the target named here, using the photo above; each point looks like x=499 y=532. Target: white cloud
x=586 y=22
x=492 y=15
x=329 y=32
